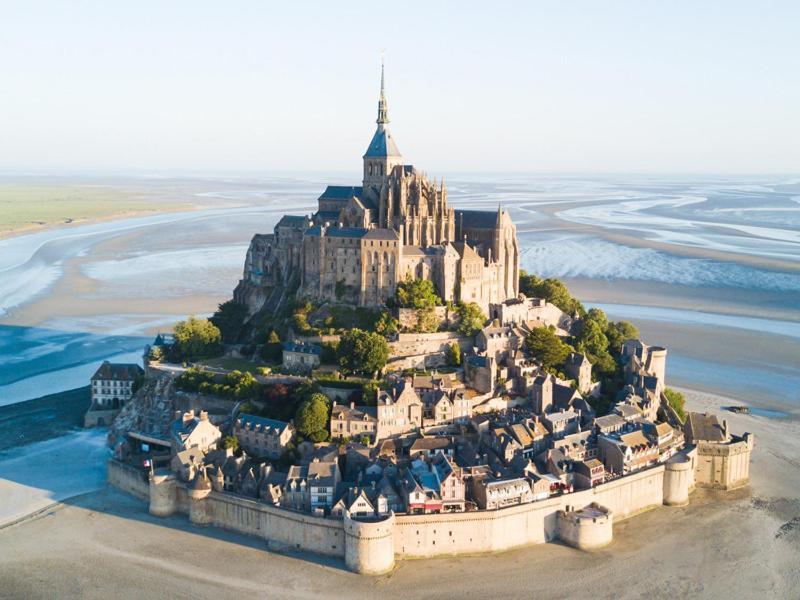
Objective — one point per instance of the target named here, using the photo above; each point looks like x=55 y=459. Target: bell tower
x=382 y=155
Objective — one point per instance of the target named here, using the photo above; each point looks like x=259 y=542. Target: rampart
x=371 y=547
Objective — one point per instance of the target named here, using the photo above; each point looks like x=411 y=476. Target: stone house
x=588 y=473
x=564 y=422
x=451 y=482
x=491 y=492
x=627 y=452
x=579 y=368
x=353 y=421
x=300 y=356
x=111 y=388
x=398 y=411
x=190 y=431
x=262 y=437
x=480 y=372
x=311 y=487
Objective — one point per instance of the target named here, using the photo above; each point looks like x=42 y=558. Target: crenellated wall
x=372 y=547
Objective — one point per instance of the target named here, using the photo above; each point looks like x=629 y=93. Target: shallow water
x=72 y=297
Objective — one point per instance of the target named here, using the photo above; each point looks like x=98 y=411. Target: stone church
x=363 y=240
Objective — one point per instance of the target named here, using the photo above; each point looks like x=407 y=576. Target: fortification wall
x=418 y=536
x=283 y=527
x=128 y=479
x=371 y=547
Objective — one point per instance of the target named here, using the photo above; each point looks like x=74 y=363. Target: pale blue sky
x=534 y=86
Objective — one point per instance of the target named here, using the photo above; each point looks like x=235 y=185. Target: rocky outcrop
x=150 y=410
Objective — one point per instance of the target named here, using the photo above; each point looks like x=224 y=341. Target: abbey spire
x=383 y=108
x=382 y=154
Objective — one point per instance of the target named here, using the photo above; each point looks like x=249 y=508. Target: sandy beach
x=741 y=544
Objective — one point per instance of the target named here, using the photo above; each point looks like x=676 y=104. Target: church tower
x=382 y=154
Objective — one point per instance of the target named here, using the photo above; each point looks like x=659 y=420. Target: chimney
x=352 y=405
x=204 y=415
x=178 y=415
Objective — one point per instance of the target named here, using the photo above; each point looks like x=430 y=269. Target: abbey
x=363 y=240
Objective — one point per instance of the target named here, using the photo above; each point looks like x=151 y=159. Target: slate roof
x=340 y=192
x=292 y=221
x=704 y=427
x=346 y=232
x=476 y=219
x=357 y=412
x=329 y=216
x=254 y=421
x=302 y=348
x=118 y=371
x=382 y=144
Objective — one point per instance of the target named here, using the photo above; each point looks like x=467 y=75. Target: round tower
x=369 y=545
x=199 y=508
x=679 y=478
x=163 y=493
x=658 y=363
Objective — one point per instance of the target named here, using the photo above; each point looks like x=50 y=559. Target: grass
x=24 y=207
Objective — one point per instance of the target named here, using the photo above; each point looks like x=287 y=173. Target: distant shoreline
x=131 y=214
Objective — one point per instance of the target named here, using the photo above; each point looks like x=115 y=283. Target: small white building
x=112 y=386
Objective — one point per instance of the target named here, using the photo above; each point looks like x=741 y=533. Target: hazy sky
x=543 y=87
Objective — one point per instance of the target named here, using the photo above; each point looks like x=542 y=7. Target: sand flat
x=741 y=544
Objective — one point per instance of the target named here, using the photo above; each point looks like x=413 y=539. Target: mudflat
x=744 y=543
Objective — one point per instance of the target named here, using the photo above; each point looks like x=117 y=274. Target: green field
x=24 y=207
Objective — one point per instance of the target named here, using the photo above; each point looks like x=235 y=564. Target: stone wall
x=128 y=479
x=371 y=547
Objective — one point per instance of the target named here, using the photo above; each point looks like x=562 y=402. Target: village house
x=588 y=473
x=398 y=411
x=353 y=421
x=311 y=487
x=627 y=452
x=492 y=492
x=190 y=431
x=298 y=356
x=262 y=437
x=562 y=423
x=112 y=386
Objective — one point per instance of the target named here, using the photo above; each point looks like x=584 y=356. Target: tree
x=362 y=351
x=471 y=318
x=590 y=339
x=230 y=442
x=369 y=393
x=546 y=346
x=416 y=293
x=229 y=319
x=198 y=338
x=273 y=349
x=617 y=333
x=156 y=354
x=676 y=400
x=453 y=355
x=387 y=325
x=311 y=420
x=552 y=290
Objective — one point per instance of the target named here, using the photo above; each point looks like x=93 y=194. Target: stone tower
x=382 y=155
